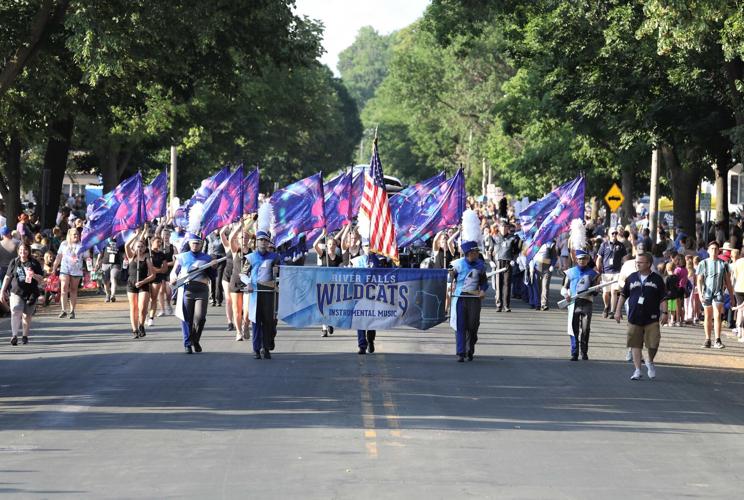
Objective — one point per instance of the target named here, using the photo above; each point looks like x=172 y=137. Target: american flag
x=376 y=209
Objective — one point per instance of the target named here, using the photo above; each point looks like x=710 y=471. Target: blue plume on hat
x=581 y=253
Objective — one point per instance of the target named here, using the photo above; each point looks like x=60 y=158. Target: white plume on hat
x=265 y=218
x=195 y=217
x=175 y=204
x=471 y=236
x=578 y=234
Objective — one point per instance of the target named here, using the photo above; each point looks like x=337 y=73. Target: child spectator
x=671 y=282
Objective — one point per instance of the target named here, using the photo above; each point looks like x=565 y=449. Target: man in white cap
x=609 y=261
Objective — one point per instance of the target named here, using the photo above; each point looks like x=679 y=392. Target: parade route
x=84 y=411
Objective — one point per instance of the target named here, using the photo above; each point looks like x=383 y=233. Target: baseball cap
x=4 y=231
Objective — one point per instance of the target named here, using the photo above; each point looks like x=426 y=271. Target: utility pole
x=483 y=178
x=654 y=195
x=173 y=172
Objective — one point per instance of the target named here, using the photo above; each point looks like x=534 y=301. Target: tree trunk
x=684 y=183
x=114 y=163
x=628 y=210
x=53 y=172
x=11 y=190
x=722 y=213
x=595 y=208
x=109 y=166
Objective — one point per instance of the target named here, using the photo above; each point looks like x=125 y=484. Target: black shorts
x=133 y=289
x=159 y=278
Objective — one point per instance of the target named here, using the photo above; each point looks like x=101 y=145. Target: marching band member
x=193 y=298
x=259 y=273
x=469 y=276
x=366 y=338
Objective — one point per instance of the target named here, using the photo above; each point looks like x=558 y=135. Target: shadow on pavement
x=230 y=390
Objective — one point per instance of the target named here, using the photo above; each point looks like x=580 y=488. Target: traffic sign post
x=705 y=201
x=614 y=198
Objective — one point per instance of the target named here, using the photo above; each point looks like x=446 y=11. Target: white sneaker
x=636 y=375
x=629 y=356
x=238 y=337
x=740 y=339
x=148 y=322
x=160 y=314
x=170 y=311
x=651 y=370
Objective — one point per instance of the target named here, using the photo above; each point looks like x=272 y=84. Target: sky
x=343 y=18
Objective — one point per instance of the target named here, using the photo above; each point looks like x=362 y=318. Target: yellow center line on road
x=368 y=417
x=391 y=410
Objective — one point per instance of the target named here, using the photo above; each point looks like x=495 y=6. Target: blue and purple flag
x=250 y=192
x=535 y=213
x=225 y=204
x=207 y=187
x=297 y=209
x=337 y=206
x=156 y=197
x=357 y=191
x=337 y=194
x=440 y=207
x=121 y=209
x=406 y=205
x=556 y=220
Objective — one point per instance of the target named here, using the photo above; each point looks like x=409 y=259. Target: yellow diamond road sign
x=614 y=197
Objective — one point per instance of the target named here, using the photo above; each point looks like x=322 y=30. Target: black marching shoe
x=256 y=354
x=574 y=357
x=197 y=347
x=470 y=356
x=362 y=350
x=371 y=346
x=230 y=327
x=460 y=358
x=135 y=335
x=14 y=341
x=267 y=354
x=585 y=357
x=24 y=339
x=330 y=330
x=142 y=332
x=188 y=350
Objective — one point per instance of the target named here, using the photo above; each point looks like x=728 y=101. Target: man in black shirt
x=646 y=295
x=506 y=248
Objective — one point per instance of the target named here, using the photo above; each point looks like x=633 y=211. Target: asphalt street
x=85 y=412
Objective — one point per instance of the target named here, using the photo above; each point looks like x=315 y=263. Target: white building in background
x=736 y=189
